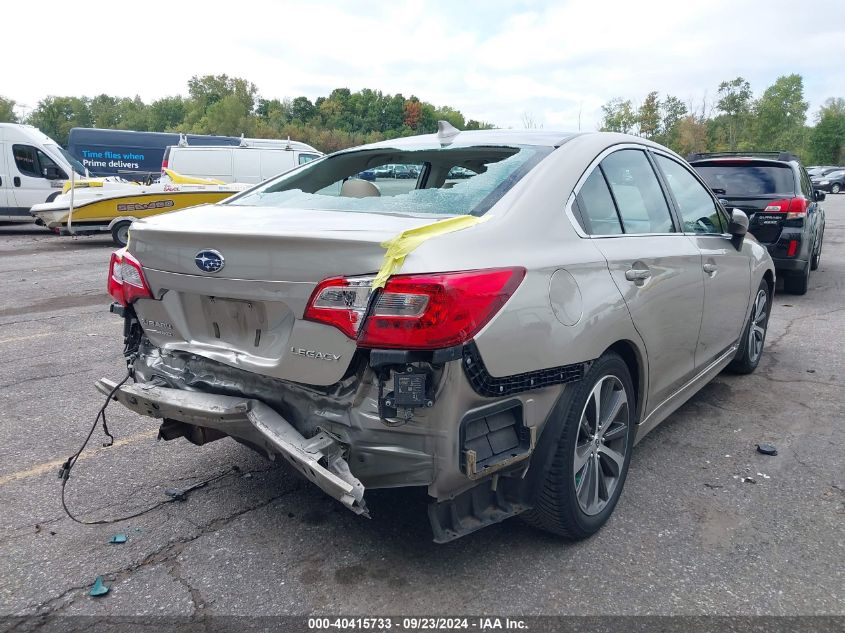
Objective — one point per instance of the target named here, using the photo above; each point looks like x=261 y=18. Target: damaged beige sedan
x=499 y=329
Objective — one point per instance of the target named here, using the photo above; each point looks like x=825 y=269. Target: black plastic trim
x=485 y=384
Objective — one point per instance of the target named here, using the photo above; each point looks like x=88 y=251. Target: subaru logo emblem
x=209 y=261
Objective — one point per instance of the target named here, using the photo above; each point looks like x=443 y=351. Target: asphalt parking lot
x=690 y=536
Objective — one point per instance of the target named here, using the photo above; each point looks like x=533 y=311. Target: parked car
x=367 y=174
x=821 y=170
x=832 y=181
x=33 y=170
x=403 y=171
x=524 y=329
x=251 y=162
x=383 y=171
x=775 y=192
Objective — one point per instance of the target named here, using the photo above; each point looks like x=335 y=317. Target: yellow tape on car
x=399 y=247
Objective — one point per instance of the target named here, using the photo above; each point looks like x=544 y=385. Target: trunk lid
x=265 y=243
x=248 y=313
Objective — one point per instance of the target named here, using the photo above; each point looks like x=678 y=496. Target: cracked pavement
x=689 y=535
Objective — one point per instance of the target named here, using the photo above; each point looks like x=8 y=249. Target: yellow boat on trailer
x=96 y=205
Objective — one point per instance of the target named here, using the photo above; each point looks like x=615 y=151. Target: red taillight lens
x=340 y=302
x=793 y=207
x=437 y=310
x=797 y=209
x=792 y=248
x=126 y=279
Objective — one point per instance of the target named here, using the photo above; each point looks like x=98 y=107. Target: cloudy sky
x=494 y=60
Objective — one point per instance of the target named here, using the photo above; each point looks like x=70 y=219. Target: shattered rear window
x=436 y=181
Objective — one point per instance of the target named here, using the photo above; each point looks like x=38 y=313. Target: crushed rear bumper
x=319 y=458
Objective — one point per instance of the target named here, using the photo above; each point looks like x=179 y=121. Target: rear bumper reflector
x=254 y=421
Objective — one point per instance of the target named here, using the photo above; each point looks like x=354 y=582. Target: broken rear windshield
x=437 y=181
x=748 y=179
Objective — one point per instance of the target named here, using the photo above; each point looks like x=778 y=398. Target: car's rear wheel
x=835 y=188
x=590 y=464
x=817 y=253
x=754 y=334
x=797 y=283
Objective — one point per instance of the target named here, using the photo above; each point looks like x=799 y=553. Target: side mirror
x=738 y=227
x=819 y=195
x=51 y=172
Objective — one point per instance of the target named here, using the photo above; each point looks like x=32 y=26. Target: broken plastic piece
x=117 y=539
x=99 y=588
x=767 y=449
x=175 y=493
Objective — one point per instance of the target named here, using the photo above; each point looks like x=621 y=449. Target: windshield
x=78 y=167
x=436 y=181
x=748 y=179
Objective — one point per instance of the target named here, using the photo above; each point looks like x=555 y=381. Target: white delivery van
x=33 y=169
x=253 y=161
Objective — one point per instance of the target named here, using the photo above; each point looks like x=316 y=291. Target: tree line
x=231 y=106
x=736 y=121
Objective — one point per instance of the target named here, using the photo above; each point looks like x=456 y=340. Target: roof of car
x=470 y=138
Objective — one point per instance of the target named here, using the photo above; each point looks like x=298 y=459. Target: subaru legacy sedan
x=501 y=340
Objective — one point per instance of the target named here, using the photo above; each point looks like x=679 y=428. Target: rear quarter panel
x=529 y=227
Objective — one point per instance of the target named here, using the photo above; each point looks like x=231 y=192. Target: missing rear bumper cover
x=319 y=458
x=495 y=437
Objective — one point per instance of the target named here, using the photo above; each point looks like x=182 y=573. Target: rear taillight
x=793 y=207
x=126 y=279
x=340 y=302
x=438 y=310
x=414 y=312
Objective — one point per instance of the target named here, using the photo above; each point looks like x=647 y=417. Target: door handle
x=709 y=268
x=17 y=181
x=637 y=274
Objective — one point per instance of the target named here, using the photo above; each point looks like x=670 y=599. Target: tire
x=797 y=284
x=53 y=196
x=567 y=505
x=817 y=253
x=120 y=233
x=835 y=188
x=754 y=333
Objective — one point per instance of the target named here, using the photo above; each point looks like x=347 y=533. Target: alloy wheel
x=601 y=444
x=757 y=331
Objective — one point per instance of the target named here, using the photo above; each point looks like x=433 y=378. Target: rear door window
x=699 y=212
x=597 y=210
x=639 y=197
